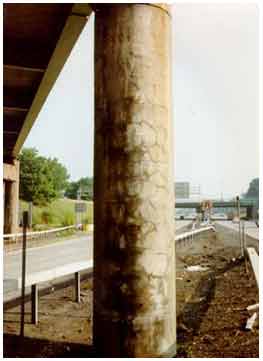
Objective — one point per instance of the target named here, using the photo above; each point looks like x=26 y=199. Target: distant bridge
x=250 y=205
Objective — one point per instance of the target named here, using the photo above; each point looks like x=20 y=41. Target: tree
x=72 y=190
x=253 y=189
x=60 y=175
x=84 y=185
x=41 y=179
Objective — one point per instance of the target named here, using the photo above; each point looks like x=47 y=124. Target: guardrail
x=36 y=278
x=38 y=233
x=191 y=234
x=254 y=261
x=56 y=230
x=43 y=276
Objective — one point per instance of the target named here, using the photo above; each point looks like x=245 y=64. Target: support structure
x=77 y=287
x=34 y=304
x=134 y=248
x=11 y=196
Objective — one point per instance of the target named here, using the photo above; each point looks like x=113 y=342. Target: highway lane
x=46 y=257
x=250 y=227
x=51 y=256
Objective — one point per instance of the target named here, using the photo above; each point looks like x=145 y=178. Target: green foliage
x=59 y=213
x=41 y=179
x=84 y=185
x=253 y=189
x=60 y=175
x=47 y=217
x=72 y=190
x=67 y=218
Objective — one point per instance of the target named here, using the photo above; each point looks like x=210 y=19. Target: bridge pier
x=11 y=196
x=134 y=248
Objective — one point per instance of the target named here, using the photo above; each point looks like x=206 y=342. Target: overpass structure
x=37 y=40
x=250 y=206
x=134 y=254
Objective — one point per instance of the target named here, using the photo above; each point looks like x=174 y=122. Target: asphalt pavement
x=251 y=228
x=48 y=257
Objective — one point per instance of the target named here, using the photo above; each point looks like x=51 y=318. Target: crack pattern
x=134 y=196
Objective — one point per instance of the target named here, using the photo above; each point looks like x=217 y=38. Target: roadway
x=50 y=257
x=250 y=227
x=179 y=225
x=44 y=258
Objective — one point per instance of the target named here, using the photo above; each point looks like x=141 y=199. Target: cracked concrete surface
x=134 y=207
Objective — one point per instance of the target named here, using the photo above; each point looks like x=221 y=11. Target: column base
x=171 y=352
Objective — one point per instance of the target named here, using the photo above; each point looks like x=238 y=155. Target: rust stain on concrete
x=134 y=221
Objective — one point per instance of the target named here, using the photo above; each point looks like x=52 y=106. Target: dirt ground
x=211 y=308
x=211 y=305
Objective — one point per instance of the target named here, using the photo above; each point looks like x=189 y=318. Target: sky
x=215 y=100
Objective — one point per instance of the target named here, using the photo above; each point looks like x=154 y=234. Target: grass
x=60 y=213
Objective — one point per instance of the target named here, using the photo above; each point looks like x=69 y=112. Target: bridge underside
x=34 y=53
x=31 y=33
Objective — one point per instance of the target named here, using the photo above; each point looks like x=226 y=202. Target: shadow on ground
x=31 y=347
x=193 y=313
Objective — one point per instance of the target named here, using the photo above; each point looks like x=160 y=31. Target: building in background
x=182 y=190
x=185 y=190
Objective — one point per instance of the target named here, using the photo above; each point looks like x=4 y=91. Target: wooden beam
x=18 y=77
x=253 y=257
x=15 y=109
x=253 y=307
x=23 y=68
x=72 y=29
x=10 y=132
x=251 y=321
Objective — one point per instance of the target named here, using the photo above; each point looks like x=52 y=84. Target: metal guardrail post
x=239 y=226
x=77 y=286
x=243 y=236
x=244 y=245
x=254 y=261
x=30 y=214
x=34 y=304
x=22 y=323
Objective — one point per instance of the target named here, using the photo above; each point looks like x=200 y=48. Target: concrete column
x=11 y=208
x=3 y=201
x=134 y=248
